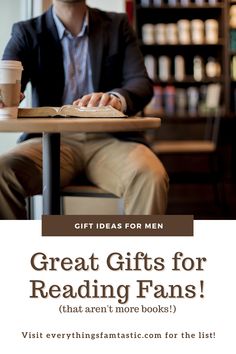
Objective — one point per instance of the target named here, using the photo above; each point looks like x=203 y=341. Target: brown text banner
x=117 y=225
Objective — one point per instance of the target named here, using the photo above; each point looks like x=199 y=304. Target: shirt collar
x=62 y=31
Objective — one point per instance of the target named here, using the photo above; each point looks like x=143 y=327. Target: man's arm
x=135 y=88
x=16 y=49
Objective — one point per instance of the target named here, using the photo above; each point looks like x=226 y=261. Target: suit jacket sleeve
x=36 y=44
x=136 y=86
x=117 y=62
x=18 y=49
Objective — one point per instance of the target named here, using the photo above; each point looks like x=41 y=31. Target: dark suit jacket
x=117 y=63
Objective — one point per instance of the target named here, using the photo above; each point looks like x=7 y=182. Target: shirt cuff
x=122 y=99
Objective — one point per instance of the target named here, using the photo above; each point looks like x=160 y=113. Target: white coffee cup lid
x=11 y=64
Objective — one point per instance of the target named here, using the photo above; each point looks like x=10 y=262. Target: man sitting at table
x=70 y=52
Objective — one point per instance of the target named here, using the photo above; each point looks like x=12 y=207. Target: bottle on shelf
x=202 y=100
x=148 y=34
x=213 y=68
x=179 y=68
x=198 y=68
x=197 y=31
x=193 y=100
x=232 y=16
x=184 y=31
x=185 y=2
x=213 y=97
x=171 y=33
x=211 y=31
x=160 y=33
x=158 y=2
x=181 y=101
x=199 y=2
x=213 y=2
x=233 y=68
x=145 y=3
x=172 y=2
x=155 y=107
x=169 y=100
x=157 y=102
x=151 y=66
x=164 y=66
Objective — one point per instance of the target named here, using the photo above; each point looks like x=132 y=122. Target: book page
x=38 y=112
x=91 y=112
x=70 y=111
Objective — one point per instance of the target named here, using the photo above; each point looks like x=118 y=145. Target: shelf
x=189 y=80
x=180 y=7
x=220 y=43
x=221 y=51
x=186 y=118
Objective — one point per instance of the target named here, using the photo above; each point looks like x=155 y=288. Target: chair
x=184 y=152
x=85 y=189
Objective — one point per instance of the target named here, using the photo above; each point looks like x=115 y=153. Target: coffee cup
x=10 y=87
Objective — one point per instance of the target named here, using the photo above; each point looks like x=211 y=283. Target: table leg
x=51 y=173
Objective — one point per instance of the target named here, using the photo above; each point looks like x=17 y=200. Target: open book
x=70 y=111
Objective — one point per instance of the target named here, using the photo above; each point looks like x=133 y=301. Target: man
x=73 y=53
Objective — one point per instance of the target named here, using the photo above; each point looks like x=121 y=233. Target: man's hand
x=2 y=105
x=1 y=100
x=22 y=96
x=98 y=99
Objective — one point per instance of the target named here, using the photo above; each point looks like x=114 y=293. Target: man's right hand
x=98 y=99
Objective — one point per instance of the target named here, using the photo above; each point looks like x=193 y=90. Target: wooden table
x=51 y=129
